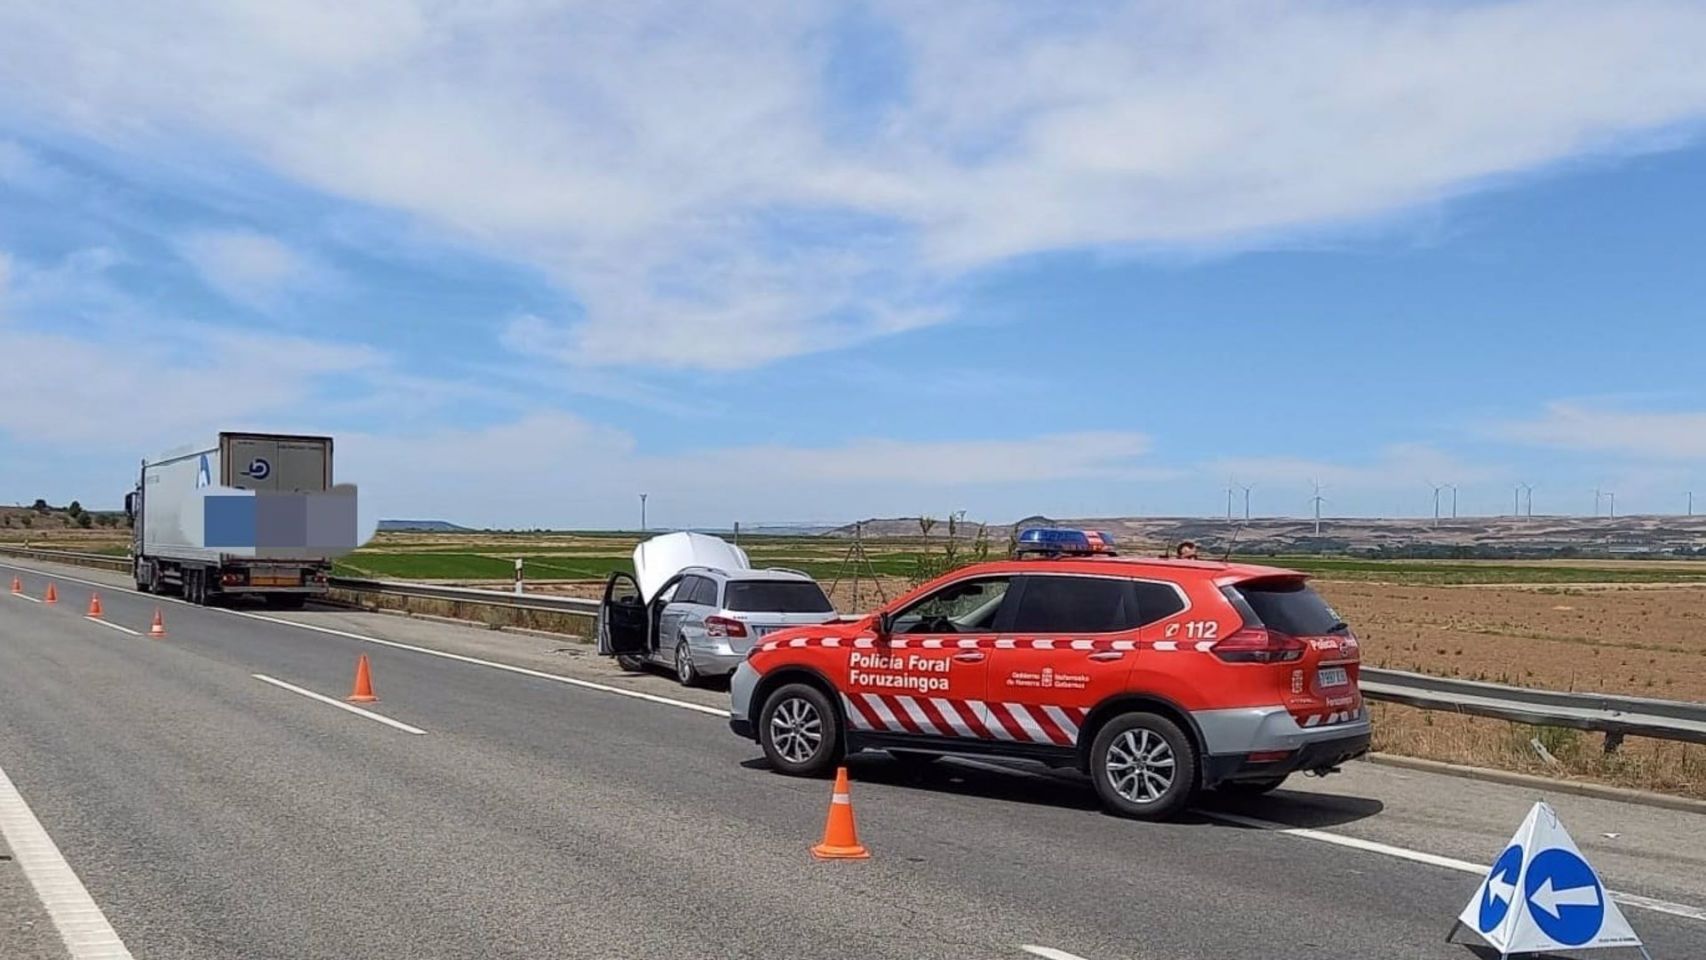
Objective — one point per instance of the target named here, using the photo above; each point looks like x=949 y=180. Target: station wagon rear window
x=776 y=596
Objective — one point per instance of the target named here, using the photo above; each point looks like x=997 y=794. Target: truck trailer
x=165 y=557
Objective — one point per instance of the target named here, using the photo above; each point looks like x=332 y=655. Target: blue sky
x=779 y=262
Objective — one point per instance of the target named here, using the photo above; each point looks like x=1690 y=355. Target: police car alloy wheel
x=1143 y=766
x=799 y=730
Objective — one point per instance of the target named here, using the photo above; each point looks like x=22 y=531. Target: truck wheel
x=144 y=582
x=1144 y=766
x=799 y=731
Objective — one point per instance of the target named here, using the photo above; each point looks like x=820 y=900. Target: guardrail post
x=518 y=575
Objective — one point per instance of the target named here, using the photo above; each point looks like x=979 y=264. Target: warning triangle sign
x=1541 y=894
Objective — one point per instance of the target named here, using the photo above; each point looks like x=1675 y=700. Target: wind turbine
x=1230 y=486
x=1691 y=503
x=1317 y=500
x=1437 y=488
x=1453 y=487
x=1246 y=488
x=1527 y=489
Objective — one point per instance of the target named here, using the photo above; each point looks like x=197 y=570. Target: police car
x=1158 y=678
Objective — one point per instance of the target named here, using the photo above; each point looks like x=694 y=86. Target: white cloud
x=246 y=266
x=1677 y=436
x=558 y=469
x=687 y=173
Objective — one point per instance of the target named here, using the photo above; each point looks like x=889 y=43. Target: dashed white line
x=1048 y=953
x=109 y=624
x=555 y=677
x=369 y=714
x=81 y=924
x=25 y=596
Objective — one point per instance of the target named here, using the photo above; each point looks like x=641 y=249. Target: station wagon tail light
x=1259 y=645
x=724 y=627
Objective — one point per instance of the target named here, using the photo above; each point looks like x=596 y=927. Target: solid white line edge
x=1048 y=953
x=80 y=922
x=1368 y=846
x=369 y=714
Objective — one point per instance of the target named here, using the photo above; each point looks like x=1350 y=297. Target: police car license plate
x=1332 y=676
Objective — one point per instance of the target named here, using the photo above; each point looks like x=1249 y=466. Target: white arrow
x=1498 y=889
x=1550 y=900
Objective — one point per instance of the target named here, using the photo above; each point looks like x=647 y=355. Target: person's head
x=1186 y=550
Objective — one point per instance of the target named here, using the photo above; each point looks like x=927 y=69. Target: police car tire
x=828 y=752
x=1177 y=794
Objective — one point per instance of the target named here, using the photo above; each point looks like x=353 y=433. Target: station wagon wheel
x=799 y=730
x=685 y=672
x=1143 y=766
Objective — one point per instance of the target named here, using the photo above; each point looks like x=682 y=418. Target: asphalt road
x=213 y=815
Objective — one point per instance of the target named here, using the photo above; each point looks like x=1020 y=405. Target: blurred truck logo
x=258 y=469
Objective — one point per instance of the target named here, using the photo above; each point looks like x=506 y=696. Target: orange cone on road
x=840 y=836
x=158 y=630
x=363 y=692
x=94 y=606
x=17 y=585
x=51 y=596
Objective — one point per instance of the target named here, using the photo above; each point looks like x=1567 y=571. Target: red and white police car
x=1157 y=678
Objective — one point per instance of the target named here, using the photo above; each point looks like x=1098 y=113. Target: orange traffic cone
x=94 y=606
x=17 y=585
x=363 y=692
x=158 y=630
x=840 y=836
x=51 y=596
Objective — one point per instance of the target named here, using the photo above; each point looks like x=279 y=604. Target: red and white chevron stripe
x=941 y=717
x=986 y=643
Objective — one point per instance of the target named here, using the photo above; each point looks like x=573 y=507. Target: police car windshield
x=776 y=596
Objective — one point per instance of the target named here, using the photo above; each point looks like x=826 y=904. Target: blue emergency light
x=1054 y=542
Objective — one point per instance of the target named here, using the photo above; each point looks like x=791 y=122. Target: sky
x=795 y=261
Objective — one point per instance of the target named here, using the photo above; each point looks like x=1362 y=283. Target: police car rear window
x=777 y=596
x=1287 y=605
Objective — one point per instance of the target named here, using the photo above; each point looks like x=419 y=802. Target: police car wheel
x=1143 y=766
x=799 y=731
x=685 y=673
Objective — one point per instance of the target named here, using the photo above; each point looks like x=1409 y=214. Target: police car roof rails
x=1050 y=542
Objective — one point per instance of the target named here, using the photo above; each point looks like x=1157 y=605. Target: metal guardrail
x=542 y=603
x=1615 y=716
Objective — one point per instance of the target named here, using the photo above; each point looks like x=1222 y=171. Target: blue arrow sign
x=1500 y=889
x=1564 y=897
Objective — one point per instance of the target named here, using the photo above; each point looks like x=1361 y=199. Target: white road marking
x=540 y=674
x=1048 y=953
x=1450 y=863
x=81 y=924
x=108 y=623
x=25 y=596
x=369 y=714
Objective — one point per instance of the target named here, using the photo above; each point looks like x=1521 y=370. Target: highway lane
x=215 y=816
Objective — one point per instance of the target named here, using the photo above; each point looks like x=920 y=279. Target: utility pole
x=642 y=513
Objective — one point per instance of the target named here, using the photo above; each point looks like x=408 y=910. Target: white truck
x=164 y=556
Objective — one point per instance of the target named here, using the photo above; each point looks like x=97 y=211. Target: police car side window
x=1076 y=605
x=968 y=606
x=1156 y=601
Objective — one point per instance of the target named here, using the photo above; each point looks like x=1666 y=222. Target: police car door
x=1069 y=643
x=624 y=620
x=927 y=678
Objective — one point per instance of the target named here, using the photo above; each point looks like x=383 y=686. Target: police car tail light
x=724 y=627
x=1259 y=645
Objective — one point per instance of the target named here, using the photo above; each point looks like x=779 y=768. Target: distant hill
x=420 y=526
x=1462 y=536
